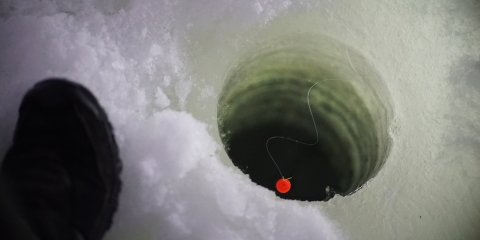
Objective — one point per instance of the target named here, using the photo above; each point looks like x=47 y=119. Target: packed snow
x=130 y=56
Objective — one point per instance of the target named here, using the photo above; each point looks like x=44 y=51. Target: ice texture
x=178 y=183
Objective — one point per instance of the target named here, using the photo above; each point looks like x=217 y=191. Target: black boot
x=63 y=170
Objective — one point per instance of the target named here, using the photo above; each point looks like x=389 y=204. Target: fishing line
x=283 y=184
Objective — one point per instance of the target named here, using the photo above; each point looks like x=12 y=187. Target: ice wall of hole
x=265 y=95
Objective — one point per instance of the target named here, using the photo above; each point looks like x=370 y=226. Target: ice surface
x=147 y=61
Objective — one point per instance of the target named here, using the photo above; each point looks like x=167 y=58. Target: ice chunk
x=161 y=99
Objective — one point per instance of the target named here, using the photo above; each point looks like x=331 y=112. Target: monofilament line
x=290 y=139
